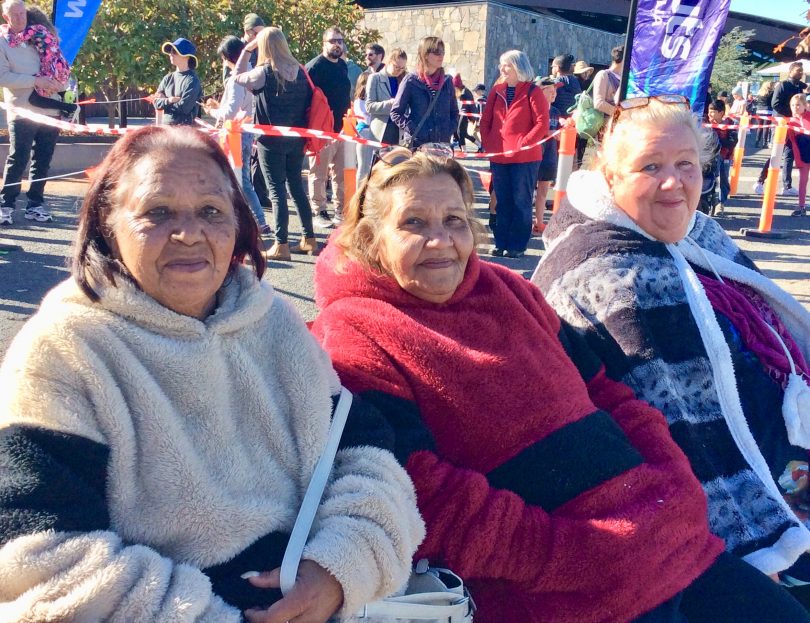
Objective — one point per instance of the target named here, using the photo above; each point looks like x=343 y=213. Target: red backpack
x=319 y=117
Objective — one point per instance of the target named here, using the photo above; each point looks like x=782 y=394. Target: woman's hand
x=316 y=596
x=252 y=44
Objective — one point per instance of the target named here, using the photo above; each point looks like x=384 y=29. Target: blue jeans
x=247 y=182
x=725 y=187
x=22 y=136
x=282 y=166
x=514 y=187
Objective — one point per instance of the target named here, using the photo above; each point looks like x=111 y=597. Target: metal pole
x=628 y=48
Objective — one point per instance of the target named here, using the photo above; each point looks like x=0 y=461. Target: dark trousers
x=462 y=134
x=22 y=136
x=730 y=591
x=282 y=166
x=257 y=177
x=514 y=187
x=787 y=165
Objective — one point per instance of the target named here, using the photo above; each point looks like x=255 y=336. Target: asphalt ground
x=42 y=259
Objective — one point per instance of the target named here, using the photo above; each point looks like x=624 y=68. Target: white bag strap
x=402 y=608
x=312 y=498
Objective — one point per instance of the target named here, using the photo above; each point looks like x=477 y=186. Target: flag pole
x=628 y=48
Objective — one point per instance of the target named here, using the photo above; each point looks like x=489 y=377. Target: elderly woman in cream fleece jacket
x=161 y=415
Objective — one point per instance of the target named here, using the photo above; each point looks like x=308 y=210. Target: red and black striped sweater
x=554 y=492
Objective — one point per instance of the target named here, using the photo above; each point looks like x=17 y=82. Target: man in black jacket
x=329 y=72
x=780 y=103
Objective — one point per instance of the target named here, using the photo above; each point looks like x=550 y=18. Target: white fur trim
x=724 y=378
x=782 y=554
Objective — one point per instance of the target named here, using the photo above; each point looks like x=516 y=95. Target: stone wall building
x=476 y=33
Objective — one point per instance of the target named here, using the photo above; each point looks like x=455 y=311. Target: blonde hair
x=274 y=51
x=799 y=97
x=656 y=114
x=360 y=235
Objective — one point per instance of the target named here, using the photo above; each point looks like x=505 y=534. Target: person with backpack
x=606 y=83
x=282 y=96
x=516 y=116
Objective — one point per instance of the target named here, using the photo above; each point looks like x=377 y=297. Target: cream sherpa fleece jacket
x=149 y=458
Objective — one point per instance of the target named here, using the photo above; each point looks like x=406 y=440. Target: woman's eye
x=456 y=220
x=686 y=164
x=650 y=168
x=412 y=221
x=211 y=211
x=158 y=212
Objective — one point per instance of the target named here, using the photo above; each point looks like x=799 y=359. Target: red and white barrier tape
x=95 y=128
x=258 y=129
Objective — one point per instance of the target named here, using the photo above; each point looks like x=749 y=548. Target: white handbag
x=432 y=595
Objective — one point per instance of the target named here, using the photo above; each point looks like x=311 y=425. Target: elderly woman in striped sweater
x=683 y=317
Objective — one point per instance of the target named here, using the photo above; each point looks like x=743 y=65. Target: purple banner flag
x=673 y=47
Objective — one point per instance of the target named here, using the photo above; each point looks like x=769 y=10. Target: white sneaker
x=5 y=216
x=718 y=210
x=759 y=188
x=322 y=221
x=38 y=214
x=790 y=192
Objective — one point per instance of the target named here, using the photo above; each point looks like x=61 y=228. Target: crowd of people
x=622 y=438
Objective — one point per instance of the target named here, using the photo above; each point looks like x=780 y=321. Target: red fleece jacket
x=493 y=381
x=523 y=123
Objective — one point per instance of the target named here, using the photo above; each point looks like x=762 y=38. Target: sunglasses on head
x=674 y=99
x=393 y=155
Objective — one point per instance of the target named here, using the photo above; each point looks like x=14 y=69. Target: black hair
x=230 y=48
x=565 y=62
x=718 y=105
x=617 y=54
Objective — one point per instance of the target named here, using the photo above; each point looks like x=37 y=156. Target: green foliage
x=122 y=49
x=730 y=65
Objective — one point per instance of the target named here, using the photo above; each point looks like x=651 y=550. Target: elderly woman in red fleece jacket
x=554 y=492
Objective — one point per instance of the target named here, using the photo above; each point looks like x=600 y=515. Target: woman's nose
x=187 y=229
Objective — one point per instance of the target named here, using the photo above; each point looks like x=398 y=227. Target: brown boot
x=279 y=252
x=308 y=246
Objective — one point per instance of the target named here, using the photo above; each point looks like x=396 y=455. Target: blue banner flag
x=674 y=43
x=73 y=19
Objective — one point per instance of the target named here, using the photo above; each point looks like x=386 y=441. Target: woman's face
x=174 y=229
x=657 y=179
x=426 y=238
x=797 y=107
x=508 y=73
x=434 y=60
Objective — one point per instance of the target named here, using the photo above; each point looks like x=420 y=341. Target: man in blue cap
x=180 y=91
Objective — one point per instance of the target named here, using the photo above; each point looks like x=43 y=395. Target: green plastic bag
x=588 y=120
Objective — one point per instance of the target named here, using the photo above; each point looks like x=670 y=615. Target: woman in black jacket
x=283 y=95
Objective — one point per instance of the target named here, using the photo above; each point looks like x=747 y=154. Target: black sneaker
x=799 y=212
x=514 y=254
x=496 y=252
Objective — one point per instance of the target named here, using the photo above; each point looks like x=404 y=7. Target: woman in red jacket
x=547 y=486
x=514 y=120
